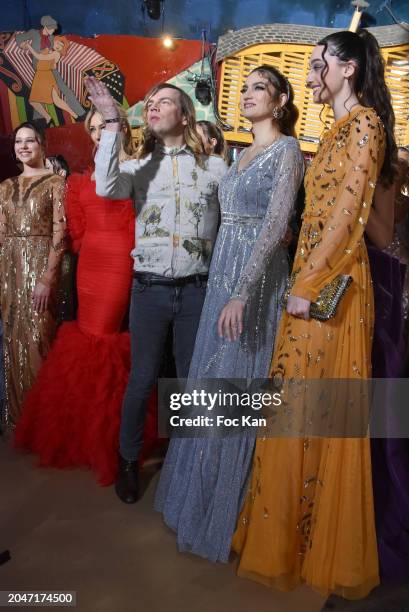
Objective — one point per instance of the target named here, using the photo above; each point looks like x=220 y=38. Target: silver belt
x=233 y=219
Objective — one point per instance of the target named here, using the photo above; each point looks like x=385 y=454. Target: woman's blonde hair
x=192 y=139
x=127 y=149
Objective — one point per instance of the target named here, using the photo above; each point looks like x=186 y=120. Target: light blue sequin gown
x=203 y=479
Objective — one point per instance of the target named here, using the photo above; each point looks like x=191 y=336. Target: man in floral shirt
x=175 y=192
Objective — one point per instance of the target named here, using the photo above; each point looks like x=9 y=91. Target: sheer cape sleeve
x=75 y=213
x=290 y=170
x=343 y=229
x=59 y=232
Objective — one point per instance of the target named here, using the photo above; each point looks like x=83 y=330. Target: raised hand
x=101 y=98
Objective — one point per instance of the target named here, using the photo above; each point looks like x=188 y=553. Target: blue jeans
x=154 y=309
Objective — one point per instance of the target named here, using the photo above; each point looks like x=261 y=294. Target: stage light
x=203 y=92
x=154 y=8
x=168 y=42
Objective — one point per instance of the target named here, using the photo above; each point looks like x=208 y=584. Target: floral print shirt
x=176 y=203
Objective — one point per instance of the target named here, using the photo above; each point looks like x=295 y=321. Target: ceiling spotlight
x=203 y=89
x=154 y=8
x=203 y=92
x=168 y=42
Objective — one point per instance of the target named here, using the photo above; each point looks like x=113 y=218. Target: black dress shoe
x=4 y=556
x=127 y=482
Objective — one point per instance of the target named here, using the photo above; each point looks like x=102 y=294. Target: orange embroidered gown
x=309 y=516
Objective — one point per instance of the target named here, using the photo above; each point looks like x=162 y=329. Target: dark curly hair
x=369 y=84
x=58 y=163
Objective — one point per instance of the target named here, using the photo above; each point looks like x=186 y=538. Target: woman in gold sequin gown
x=309 y=514
x=71 y=415
x=32 y=227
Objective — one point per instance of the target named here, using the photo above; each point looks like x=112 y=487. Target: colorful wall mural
x=41 y=79
x=43 y=74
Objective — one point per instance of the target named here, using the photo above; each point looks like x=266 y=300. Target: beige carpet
x=65 y=532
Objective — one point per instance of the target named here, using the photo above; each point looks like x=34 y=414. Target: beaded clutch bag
x=325 y=307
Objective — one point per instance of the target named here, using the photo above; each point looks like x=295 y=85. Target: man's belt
x=148 y=279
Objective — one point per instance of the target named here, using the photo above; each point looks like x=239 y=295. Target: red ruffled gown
x=72 y=413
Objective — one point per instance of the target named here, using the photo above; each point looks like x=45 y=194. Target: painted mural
x=127 y=76
x=42 y=76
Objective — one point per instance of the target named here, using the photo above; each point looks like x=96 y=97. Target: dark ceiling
x=186 y=18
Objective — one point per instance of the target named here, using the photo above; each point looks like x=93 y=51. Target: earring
x=277 y=112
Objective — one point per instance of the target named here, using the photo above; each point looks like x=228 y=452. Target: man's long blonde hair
x=127 y=148
x=192 y=139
